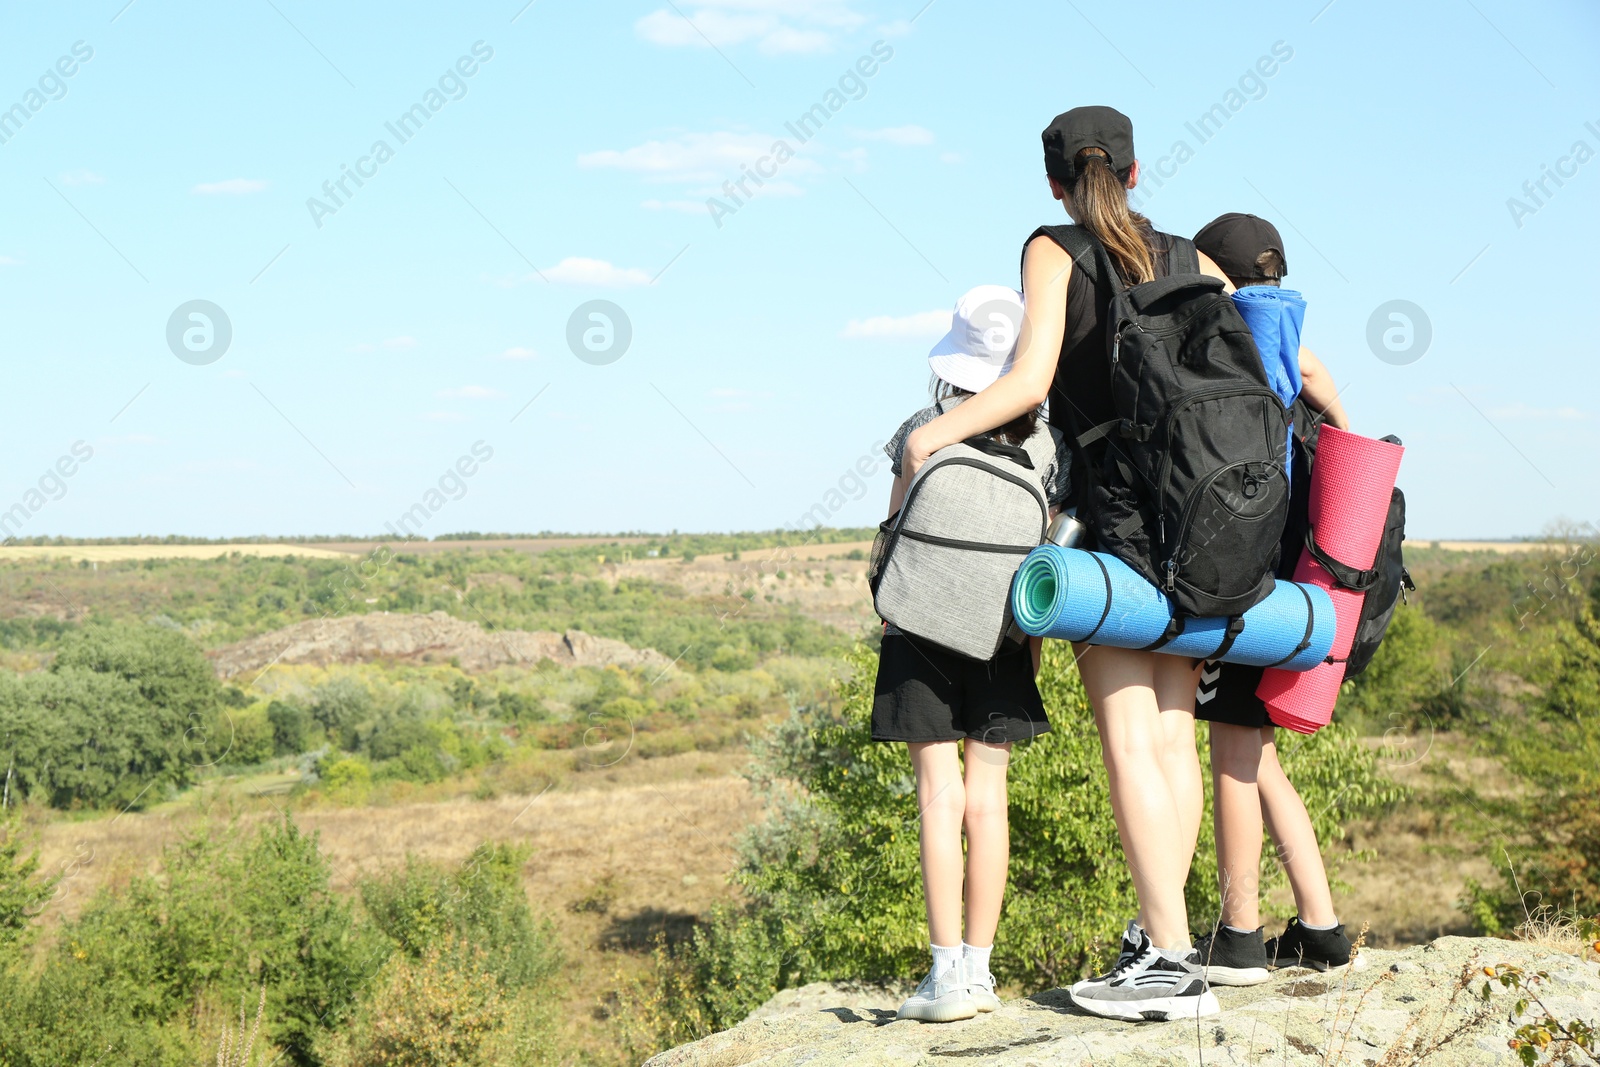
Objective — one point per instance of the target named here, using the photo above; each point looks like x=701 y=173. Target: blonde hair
x=1100 y=204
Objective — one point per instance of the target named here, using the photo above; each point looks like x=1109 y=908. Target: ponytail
x=1100 y=204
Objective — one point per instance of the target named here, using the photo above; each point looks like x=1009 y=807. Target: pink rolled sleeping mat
x=1352 y=480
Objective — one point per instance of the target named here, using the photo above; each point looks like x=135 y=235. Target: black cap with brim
x=1071 y=132
x=1235 y=240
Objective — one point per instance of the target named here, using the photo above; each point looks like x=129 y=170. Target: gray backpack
x=942 y=565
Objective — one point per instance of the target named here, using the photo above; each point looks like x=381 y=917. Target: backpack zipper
x=1186 y=517
x=1163 y=480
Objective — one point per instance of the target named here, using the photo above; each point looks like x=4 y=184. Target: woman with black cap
x=1143 y=701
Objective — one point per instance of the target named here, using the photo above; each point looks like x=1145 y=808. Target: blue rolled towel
x=1075 y=595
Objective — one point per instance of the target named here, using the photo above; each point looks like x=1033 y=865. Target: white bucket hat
x=982 y=343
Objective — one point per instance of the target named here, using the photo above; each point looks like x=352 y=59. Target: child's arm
x=1321 y=394
x=897 y=492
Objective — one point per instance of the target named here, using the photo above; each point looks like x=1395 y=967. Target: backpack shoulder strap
x=1088 y=255
x=1182 y=256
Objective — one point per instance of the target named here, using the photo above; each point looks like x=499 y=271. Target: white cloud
x=518 y=353
x=775 y=26
x=1520 y=411
x=231 y=187
x=443 y=416
x=922 y=324
x=577 y=270
x=8 y=261
x=902 y=136
x=692 y=157
x=471 y=392
x=82 y=177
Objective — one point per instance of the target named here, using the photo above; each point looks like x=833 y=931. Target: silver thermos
x=1064 y=530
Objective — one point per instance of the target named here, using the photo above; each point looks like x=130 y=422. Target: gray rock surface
x=433 y=638
x=1414 y=1006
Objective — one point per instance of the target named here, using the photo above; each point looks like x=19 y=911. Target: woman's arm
x=1317 y=386
x=1046 y=270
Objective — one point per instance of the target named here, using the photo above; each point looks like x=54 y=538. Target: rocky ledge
x=1413 y=1006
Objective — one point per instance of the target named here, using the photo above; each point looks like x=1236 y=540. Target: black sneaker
x=1232 y=958
x=1318 y=950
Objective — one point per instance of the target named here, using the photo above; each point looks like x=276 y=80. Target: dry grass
x=1549 y=928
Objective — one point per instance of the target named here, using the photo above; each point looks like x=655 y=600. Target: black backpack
x=1188 y=484
x=1384 y=583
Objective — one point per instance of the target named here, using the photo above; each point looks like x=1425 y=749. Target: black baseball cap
x=1071 y=132
x=1233 y=241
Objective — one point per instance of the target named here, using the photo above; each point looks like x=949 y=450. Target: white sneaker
x=941 y=1001
x=1150 y=986
x=1130 y=945
x=980 y=987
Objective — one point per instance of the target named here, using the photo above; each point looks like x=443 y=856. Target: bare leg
x=1180 y=761
x=988 y=838
x=1121 y=686
x=1291 y=831
x=941 y=799
x=1235 y=762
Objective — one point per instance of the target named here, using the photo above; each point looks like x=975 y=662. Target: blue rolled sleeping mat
x=1275 y=317
x=1073 y=595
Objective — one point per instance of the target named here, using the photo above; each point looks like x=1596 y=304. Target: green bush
x=23 y=893
x=424 y=906
x=1553 y=827
x=340 y=705
x=122 y=709
x=1404 y=679
x=291 y=727
x=228 y=913
x=832 y=877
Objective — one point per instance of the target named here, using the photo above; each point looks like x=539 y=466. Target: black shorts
x=1227 y=694
x=924 y=693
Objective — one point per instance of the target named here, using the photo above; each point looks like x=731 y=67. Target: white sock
x=1330 y=926
x=1236 y=930
x=976 y=959
x=944 y=959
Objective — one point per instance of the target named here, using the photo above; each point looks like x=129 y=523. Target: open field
x=118 y=553
x=449 y=748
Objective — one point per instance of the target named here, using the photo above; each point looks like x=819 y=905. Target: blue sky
x=564 y=153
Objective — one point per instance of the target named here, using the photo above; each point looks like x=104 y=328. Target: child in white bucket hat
x=959 y=716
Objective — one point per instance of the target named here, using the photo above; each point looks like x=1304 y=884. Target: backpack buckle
x=1132 y=430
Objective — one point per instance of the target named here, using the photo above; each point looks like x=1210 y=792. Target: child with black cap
x=1248 y=782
